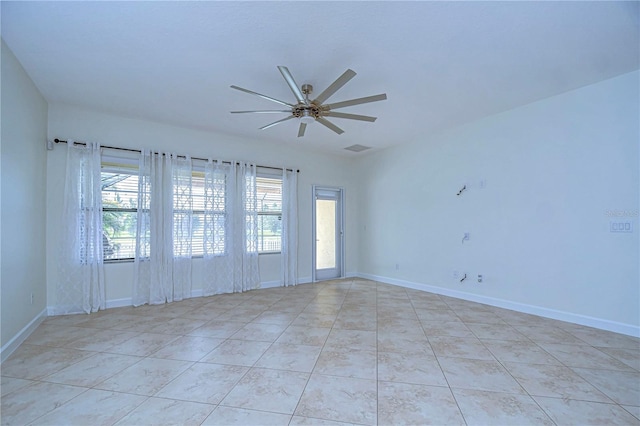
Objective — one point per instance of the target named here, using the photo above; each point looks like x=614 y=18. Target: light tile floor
x=337 y=352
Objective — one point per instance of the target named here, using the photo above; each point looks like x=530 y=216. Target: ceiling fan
x=308 y=110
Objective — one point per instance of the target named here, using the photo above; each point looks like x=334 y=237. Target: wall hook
x=464 y=278
x=465 y=237
x=463 y=188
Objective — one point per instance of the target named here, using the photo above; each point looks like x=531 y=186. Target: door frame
x=340 y=215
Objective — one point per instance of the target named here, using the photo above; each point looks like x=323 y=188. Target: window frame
x=199 y=171
x=131 y=166
x=278 y=213
x=123 y=166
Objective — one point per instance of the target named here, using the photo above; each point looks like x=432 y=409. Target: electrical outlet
x=479 y=278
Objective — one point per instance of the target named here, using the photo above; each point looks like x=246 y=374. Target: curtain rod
x=56 y=140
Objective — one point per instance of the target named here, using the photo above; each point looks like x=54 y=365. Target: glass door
x=328 y=234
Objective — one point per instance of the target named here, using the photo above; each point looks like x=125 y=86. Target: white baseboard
x=22 y=335
x=127 y=301
x=119 y=303
x=270 y=284
x=53 y=311
x=588 y=321
x=600 y=323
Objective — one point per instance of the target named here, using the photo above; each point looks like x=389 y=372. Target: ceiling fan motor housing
x=312 y=110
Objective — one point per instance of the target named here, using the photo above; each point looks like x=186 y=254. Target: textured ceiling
x=441 y=63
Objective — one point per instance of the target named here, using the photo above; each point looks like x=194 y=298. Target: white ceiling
x=441 y=63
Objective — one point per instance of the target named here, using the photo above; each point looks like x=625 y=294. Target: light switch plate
x=621 y=226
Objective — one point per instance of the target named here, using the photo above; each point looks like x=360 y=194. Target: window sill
x=131 y=260
x=110 y=261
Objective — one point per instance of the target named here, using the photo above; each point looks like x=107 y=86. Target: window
x=197 y=219
x=209 y=208
x=119 y=211
x=269 y=194
x=120 y=206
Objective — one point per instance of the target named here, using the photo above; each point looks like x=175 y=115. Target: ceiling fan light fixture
x=307 y=118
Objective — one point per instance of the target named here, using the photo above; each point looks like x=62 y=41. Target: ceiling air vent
x=357 y=148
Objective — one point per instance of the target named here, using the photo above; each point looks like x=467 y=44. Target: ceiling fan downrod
x=307 y=111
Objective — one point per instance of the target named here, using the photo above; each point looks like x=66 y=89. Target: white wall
x=539 y=230
x=67 y=122
x=24 y=132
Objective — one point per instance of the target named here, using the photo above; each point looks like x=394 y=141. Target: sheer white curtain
x=182 y=227
x=289 y=257
x=219 y=190
x=245 y=235
x=230 y=228
x=162 y=265
x=80 y=286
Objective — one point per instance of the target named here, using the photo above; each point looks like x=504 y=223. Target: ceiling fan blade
x=269 y=98
x=292 y=84
x=261 y=111
x=358 y=101
x=350 y=116
x=276 y=122
x=330 y=125
x=303 y=127
x=335 y=86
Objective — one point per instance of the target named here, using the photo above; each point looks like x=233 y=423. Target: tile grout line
x=440 y=366
x=316 y=363
x=518 y=381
